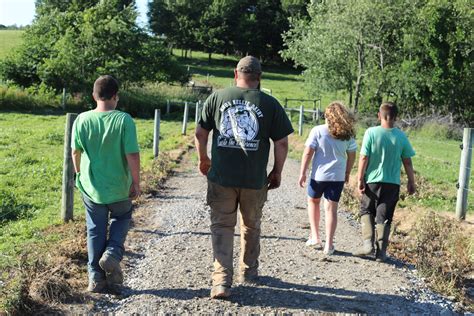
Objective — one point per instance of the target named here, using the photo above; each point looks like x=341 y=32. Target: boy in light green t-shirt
x=107 y=163
x=384 y=149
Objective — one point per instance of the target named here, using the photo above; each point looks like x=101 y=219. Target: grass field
x=31 y=155
x=9 y=39
x=284 y=82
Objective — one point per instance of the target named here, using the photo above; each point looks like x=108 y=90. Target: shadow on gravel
x=275 y=293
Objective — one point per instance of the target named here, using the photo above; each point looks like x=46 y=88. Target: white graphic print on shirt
x=239 y=125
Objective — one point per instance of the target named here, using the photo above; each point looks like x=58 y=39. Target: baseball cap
x=249 y=64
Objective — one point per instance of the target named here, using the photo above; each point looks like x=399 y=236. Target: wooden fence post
x=67 y=203
x=464 y=173
x=156 y=134
x=167 y=107
x=300 y=122
x=185 y=117
x=196 y=116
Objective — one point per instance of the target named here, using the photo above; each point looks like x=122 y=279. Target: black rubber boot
x=383 y=232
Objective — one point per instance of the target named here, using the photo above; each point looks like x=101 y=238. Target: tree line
x=237 y=27
x=418 y=53
x=71 y=43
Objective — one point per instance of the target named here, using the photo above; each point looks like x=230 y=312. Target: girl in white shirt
x=332 y=149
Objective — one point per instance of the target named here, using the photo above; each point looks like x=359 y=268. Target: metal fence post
x=300 y=122
x=167 y=107
x=185 y=117
x=156 y=134
x=67 y=201
x=464 y=173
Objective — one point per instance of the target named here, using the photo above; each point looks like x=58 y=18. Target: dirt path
x=169 y=261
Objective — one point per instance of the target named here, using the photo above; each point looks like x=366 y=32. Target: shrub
x=442 y=253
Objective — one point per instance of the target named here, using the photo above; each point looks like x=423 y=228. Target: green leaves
x=418 y=53
x=69 y=46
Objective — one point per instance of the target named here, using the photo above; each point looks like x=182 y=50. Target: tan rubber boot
x=367 y=222
x=383 y=232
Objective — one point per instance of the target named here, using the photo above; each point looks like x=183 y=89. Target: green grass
x=9 y=39
x=31 y=156
x=284 y=82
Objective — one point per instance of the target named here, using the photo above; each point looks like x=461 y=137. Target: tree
x=70 y=48
x=349 y=45
x=178 y=20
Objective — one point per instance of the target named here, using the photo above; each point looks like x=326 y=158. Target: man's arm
x=280 y=150
x=133 y=161
x=200 y=139
x=305 y=160
x=76 y=160
x=408 y=165
x=351 y=156
x=363 y=162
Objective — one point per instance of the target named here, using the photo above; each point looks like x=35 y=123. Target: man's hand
x=361 y=187
x=204 y=165
x=302 y=180
x=134 y=191
x=274 y=180
x=411 y=187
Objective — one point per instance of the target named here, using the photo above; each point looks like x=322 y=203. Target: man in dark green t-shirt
x=242 y=120
x=107 y=164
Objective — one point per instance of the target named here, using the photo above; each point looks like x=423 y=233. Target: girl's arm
x=351 y=156
x=305 y=160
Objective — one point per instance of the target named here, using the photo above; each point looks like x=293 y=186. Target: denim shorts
x=331 y=189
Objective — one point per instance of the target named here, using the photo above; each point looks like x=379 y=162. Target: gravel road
x=169 y=261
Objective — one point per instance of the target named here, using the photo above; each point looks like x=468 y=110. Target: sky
x=22 y=12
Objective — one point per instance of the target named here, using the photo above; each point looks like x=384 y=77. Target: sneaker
x=220 y=291
x=329 y=252
x=113 y=272
x=315 y=244
x=96 y=286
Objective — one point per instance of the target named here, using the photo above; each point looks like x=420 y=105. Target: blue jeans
x=98 y=242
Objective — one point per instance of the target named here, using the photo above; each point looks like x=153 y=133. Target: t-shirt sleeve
x=281 y=125
x=130 y=142
x=407 y=150
x=207 y=114
x=76 y=139
x=312 y=140
x=352 y=145
x=366 y=144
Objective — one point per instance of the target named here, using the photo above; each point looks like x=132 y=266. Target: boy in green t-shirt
x=107 y=163
x=384 y=149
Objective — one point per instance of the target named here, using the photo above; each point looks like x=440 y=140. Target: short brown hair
x=105 y=87
x=388 y=111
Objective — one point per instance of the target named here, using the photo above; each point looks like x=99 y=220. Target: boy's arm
x=201 y=139
x=133 y=161
x=76 y=160
x=305 y=160
x=408 y=165
x=363 y=162
x=351 y=156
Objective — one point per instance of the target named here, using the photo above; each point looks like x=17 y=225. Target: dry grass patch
x=440 y=247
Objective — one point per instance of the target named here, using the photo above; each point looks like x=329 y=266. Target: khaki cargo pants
x=224 y=202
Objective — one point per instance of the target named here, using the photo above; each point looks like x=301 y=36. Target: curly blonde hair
x=341 y=122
